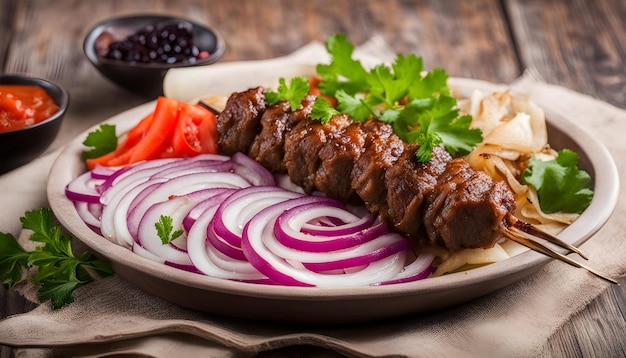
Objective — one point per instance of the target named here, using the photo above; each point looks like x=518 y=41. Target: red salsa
x=23 y=105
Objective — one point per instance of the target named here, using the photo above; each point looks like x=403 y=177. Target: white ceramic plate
x=329 y=305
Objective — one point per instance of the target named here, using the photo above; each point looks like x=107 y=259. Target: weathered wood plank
x=581 y=45
x=578 y=44
x=446 y=34
x=589 y=333
x=7 y=14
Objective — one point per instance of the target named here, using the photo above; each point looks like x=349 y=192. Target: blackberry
x=166 y=42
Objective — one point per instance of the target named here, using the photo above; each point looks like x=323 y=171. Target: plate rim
x=520 y=265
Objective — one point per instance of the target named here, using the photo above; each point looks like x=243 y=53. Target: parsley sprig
x=58 y=271
x=293 y=92
x=560 y=184
x=165 y=229
x=415 y=102
x=100 y=141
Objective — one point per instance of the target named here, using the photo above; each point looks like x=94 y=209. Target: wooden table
x=578 y=44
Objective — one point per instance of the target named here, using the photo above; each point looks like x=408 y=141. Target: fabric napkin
x=110 y=316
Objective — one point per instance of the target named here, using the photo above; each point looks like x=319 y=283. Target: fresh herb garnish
x=297 y=89
x=323 y=111
x=165 y=229
x=560 y=185
x=416 y=103
x=102 y=141
x=59 y=272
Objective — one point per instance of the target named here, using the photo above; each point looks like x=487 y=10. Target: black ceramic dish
x=20 y=146
x=146 y=78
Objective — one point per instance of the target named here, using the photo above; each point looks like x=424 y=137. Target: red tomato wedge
x=173 y=129
x=194 y=134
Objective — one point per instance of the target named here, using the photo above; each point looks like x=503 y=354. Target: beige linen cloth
x=112 y=317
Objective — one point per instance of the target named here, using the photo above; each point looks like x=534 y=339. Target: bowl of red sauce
x=31 y=113
x=136 y=51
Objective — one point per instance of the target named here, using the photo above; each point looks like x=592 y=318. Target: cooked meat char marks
x=444 y=200
x=469 y=204
x=268 y=148
x=239 y=122
x=381 y=150
x=337 y=156
x=303 y=145
x=408 y=182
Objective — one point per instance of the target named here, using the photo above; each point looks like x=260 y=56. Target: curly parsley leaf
x=297 y=89
x=322 y=110
x=101 y=141
x=416 y=103
x=342 y=72
x=58 y=271
x=359 y=109
x=560 y=184
x=439 y=124
x=165 y=229
x=13 y=259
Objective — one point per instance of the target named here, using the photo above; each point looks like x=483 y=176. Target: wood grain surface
x=580 y=44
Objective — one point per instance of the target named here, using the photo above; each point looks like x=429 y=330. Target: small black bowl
x=20 y=146
x=147 y=78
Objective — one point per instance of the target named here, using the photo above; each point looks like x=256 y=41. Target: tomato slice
x=156 y=138
x=173 y=129
x=196 y=132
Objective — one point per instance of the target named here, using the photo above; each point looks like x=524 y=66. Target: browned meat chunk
x=467 y=208
x=381 y=149
x=444 y=201
x=337 y=157
x=408 y=183
x=277 y=121
x=302 y=147
x=239 y=122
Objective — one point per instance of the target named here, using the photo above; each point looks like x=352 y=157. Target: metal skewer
x=533 y=245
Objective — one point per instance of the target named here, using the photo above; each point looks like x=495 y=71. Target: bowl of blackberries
x=136 y=51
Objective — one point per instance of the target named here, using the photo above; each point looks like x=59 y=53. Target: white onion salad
x=241 y=223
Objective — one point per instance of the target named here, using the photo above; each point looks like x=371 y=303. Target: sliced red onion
x=194 y=166
x=285 y=182
x=288 y=229
x=103 y=172
x=139 y=250
x=421 y=268
x=260 y=228
x=88 y=214
x=84 y=188
x=176 y=208
x=250 y=169
x=203 y=256
x=328 y=228
x=180 y=186
x=239 y=225
x=358 y=256
x=114 y=220
x=136 y=171
x=223 y=246
x=242 y=205
x=198 y=209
